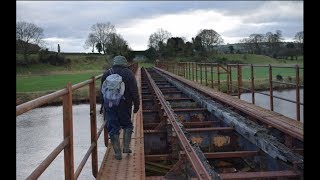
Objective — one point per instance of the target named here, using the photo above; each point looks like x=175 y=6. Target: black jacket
x=131 y=94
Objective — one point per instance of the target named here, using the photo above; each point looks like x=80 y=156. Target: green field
x=39 y=79
x=51 y=82
x=259 y=73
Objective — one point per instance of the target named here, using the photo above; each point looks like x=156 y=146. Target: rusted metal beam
x=84 y=160
x=233 y=154
x=188 y=124
x=213 y=155
x=192 y=130
x=22 y=108
x=93 y=127
x=158 y=157
x=270 y=87
x=187 y=110
x=45 y=163
x=297 y=93
x=68 y=133
x=200 y=170
x=263 y=174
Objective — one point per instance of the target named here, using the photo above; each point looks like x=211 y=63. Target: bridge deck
x=274 y=119
x=131 y=166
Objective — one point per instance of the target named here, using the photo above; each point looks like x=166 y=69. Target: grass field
x=51 y=82
x=39 y=79
x=259 y=73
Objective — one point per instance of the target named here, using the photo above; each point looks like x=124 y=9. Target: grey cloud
x=73 y=19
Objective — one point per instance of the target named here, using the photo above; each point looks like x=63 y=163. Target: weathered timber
x=253 y=132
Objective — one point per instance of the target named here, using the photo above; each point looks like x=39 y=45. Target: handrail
x=67 y=143
x=192 y=70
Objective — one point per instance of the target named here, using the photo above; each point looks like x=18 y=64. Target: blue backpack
x=112 y=90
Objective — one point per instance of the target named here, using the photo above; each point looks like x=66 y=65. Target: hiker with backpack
x=118 y=92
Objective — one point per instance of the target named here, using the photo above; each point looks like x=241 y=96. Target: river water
x=283 y=107
x=40 y=130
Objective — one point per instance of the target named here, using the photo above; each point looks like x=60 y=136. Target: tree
x=209 y=38
x=91 y=42
x=299 y=37
x=99 y=47
x=175 y=45
x=26 y=35
x=256 y=40
x=273 y=42
x=188 y=50
x=231 y=49
x=159 y=36
x=102 y=32
x=117 y=46
x=58 y=48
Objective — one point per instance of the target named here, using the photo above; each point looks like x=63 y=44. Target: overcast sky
x=68 y=22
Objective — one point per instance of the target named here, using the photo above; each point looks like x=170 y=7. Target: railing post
x=201 y=73
x=230 y=71
x=193 y=70
x=185 y=70
x=239 y=81
x=93 y=123
x=68 y=133
x=196 y=72
x=252 y=84
x=298 y=92
x=218 y=71
x=271 y=88
x=206 y=75
x=189 y=64
x=228 y=79
x=211 y=67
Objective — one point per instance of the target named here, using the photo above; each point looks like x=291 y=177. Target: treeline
x=271 y=44
x=208 y=42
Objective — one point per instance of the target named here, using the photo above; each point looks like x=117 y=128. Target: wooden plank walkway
x=132 y=166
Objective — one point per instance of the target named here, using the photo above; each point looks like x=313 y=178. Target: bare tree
x=209 y=38
x=26 y=35
x=299 y=37
x=256 y=40
x=102 y=32
x=159 y=36
x=273 y=41
x=91 y=42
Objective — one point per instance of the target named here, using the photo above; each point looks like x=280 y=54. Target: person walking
x=118 y=114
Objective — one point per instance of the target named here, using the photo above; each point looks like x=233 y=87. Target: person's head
x=120 y=60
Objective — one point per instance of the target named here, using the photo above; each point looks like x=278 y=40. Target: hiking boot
x=116 y=146
x=126 y=140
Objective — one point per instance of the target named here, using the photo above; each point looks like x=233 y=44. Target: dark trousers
x=118 y=117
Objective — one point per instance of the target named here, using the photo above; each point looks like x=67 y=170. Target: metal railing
x=204 y=72
x=67 y=143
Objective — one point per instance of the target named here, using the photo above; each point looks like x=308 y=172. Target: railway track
x=189 y=133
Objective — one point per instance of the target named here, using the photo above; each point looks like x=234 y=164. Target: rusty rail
x=190 y=152
x=238 y=85
x=67 y=143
